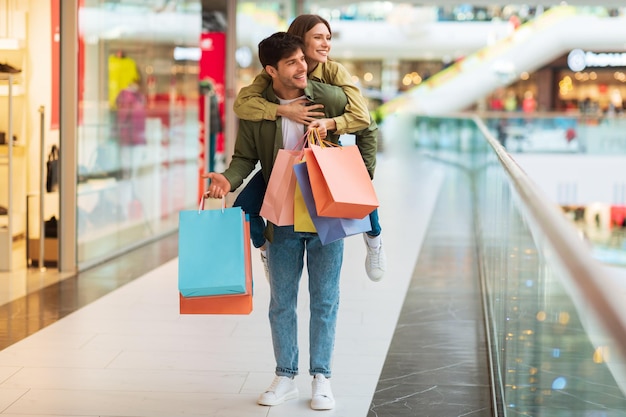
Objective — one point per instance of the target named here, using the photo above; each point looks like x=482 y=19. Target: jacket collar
x=317 y=73
x=271 y=96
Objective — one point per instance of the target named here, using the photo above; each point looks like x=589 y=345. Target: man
x=282 y=57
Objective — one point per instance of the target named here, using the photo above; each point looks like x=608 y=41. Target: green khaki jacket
x=261 y=140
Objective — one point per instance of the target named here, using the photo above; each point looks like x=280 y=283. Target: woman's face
x=317 y=45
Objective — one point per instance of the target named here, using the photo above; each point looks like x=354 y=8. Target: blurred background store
x=135 y=170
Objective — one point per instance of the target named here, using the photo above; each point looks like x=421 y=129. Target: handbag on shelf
x=212 y=251
x=52 y=170
x=51 y=227
x=340 y=182
x=329 y=229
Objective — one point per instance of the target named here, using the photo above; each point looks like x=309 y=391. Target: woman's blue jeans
x=286 y=256
x=250 y=199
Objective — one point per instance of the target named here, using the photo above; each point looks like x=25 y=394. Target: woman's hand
x=322 y=126
x=300 y=111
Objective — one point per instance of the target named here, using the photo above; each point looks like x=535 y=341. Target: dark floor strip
x=31 y=313
x=437 y=361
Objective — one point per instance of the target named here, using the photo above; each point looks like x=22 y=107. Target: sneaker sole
x=326 y=406
x=376 y=278
x=289 y=396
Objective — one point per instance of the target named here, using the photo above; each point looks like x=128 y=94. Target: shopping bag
x=301 y=218
x=277 y=204
x=52 y=170
x=224 y=304
x=211 y=252
x=340 y=182
x=329 y=229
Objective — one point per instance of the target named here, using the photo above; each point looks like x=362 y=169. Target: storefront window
x=594 y=92
x=138 y=121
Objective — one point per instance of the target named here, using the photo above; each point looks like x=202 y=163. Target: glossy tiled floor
x=130 y=353
x=437 y=363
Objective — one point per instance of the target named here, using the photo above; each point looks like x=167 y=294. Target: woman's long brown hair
x=305 y=22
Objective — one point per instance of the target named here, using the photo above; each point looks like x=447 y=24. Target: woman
x=316 y=33
x=249 y=105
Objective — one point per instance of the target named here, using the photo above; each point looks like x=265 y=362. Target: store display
x=122 y=72
x=3 y=138
x=13 y=161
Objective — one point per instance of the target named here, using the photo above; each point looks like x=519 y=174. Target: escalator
x=530 y=47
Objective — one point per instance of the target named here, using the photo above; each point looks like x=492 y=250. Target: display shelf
x=6 y=248
x=13 y=170
x=11 y=44
x=35 y=221
x=18 y=90
x=5 y=76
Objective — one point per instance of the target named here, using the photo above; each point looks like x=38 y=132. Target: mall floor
x=111 y=341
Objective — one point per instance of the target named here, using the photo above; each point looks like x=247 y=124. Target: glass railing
x=556 y=322
x=597 y=147
x=601 y=134
x=602 y=221
x=554 y=316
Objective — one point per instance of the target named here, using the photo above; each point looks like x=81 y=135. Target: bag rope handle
x=313 y=138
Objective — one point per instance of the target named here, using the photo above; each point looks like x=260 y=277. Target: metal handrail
x=599 y=292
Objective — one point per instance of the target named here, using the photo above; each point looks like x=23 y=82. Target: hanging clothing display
x=122 y=72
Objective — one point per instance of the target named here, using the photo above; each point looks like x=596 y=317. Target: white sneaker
x=322 y=398
x=282 y=389
x=265 y=265
x=375 y=261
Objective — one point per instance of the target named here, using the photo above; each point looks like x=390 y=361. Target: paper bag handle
x=201 y=205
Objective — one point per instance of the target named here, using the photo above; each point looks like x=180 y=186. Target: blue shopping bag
x=329 y=229
x=211 y=252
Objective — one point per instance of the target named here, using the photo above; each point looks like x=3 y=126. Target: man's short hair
x=278 y=46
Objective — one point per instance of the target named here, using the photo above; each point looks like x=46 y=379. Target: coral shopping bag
x=224 y=304
x=277 y=204
x=340 y=183
x=212 y=252
x=329 y=229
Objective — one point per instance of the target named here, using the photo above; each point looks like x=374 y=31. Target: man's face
x=291 y=72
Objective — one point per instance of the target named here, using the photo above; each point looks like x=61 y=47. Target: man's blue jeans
x=286 y=256
x=251 y=199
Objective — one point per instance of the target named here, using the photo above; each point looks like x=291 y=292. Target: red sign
x=212 y=70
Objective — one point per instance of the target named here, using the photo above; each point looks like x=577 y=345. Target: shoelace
x=322 y=388
x=274 y=384
x=374 y=257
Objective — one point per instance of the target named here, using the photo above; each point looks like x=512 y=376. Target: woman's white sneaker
x=375 y=260
x=282 y=389
x=322 y=398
